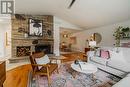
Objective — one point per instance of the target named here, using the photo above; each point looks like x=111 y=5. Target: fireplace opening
x=23 y=51
x=47 y=49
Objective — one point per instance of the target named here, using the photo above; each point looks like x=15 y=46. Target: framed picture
x=35 y=27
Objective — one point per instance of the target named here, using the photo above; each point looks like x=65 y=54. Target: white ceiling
x=84 y=13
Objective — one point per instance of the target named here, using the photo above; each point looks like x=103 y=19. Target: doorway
x=67 y=39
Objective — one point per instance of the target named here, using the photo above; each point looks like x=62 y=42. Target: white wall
x=1 y=41
x=58 y=23
x=5 y=51
x=8 y=45
x=105 y=31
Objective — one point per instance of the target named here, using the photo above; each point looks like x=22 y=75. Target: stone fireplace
x=23 y=46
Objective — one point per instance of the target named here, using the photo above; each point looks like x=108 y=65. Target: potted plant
x=126 y=32
x=118 y=34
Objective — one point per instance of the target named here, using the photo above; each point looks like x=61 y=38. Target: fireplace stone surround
x=18 y=39
x=29 y=43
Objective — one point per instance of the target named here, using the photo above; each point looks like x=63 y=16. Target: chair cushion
x=99 y=60
x=43 y=60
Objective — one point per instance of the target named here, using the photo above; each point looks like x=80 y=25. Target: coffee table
x=84 y=67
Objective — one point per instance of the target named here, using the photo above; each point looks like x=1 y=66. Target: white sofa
x=118 y=64
x=125 y=82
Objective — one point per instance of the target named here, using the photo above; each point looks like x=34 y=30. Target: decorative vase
x=118 y=43
x=76 y=61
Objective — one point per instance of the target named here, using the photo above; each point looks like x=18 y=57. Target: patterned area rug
x=67 y=77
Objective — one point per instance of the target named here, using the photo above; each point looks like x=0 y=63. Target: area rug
x=67 y=77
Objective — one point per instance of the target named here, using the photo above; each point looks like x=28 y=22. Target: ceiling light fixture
x=72 y=2
x=65 y=36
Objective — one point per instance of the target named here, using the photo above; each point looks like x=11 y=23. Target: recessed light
x=65 y=36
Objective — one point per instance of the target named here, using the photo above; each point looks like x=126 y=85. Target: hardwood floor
x=74 y=56
x=17 y=77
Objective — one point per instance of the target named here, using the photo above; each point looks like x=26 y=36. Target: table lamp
x=92 y=44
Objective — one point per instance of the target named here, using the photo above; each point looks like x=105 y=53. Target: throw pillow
x=105 y=54
x=43 y=60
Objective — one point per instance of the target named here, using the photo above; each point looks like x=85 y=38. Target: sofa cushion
x=118 y=60
x=125 y=82
x=99 y=60
x=126 y=54
x=121 y=65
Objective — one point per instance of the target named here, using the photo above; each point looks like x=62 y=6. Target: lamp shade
x=65 y=36
x=92 y=43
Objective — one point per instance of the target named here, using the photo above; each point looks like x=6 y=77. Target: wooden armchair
x=46 y=69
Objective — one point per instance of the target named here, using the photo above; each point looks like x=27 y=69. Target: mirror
x=96 y=37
